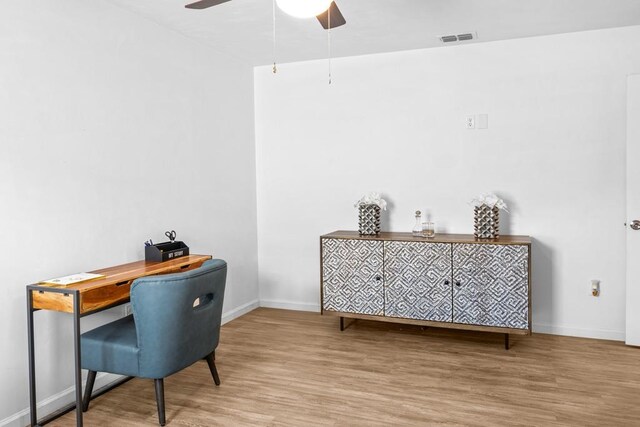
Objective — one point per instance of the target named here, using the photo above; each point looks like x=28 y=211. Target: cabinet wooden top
x=438 y=238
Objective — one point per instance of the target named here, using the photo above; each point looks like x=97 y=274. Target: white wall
x=112 y=130
x=555 y=150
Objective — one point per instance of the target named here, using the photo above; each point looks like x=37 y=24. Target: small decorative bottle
x=417 y=229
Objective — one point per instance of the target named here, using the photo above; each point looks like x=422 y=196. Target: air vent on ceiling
x=458 y=38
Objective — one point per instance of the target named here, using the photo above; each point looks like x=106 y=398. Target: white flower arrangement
x=490 y=200
x=372 y=199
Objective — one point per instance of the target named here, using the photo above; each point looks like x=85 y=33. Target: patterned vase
x=369 y=220
x=486 y=222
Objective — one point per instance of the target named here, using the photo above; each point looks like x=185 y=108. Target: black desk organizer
x=165 y=251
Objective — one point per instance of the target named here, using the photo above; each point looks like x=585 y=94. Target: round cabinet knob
x=378 y=278
x=446 y=282
x=458 y=283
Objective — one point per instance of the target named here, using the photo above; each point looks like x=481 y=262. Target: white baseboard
x=239 y=311
x=288 y=305
x=601 y=334
x=59 y=400
x=56 y=402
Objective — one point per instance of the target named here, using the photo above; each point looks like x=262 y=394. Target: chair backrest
x=178 y=317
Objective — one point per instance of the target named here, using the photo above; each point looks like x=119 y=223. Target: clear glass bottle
x=417 y=229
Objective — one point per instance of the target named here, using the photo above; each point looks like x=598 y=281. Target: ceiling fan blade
x=203 y=4
x=336 y=17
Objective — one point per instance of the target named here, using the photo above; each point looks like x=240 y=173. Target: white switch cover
x=483 y=121
x=470 y=122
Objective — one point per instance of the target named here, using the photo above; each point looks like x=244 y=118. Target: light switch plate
x=483 y=121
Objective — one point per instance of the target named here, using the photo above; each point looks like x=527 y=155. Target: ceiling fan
x=332 y=13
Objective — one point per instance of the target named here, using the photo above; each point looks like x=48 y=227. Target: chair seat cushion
x=112 y=348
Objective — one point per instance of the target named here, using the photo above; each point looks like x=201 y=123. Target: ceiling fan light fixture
x=303 y=8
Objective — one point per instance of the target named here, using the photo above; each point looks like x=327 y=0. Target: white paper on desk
x=72 y=279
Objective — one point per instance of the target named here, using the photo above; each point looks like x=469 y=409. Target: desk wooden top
x=112 y=289
x=438 y=238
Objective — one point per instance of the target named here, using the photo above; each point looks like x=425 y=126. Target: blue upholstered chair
x=175 y=322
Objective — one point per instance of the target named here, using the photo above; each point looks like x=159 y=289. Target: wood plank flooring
x=288 y=368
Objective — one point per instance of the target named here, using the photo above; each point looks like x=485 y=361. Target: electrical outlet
x=127 y=309
x=595 y=288
x=470 y=122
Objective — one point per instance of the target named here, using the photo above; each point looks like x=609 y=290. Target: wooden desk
x=87 y=298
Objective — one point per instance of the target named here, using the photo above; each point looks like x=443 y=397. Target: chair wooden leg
x=160 y=400
x=88 y=389
x=211 y=360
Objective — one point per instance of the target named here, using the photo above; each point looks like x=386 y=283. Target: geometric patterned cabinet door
x=352 y=276
x=417 y=280
x=491 y=285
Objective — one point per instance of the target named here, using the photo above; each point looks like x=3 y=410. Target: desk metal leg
x=75 y=294
x=32 y=362
x=78 y=367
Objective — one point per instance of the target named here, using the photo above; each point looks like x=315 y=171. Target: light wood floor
x=293 y=368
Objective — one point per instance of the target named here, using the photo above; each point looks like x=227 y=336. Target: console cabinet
x=452 y=280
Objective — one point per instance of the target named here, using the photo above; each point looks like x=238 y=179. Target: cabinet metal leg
x=32 y=362
x=506 y=341
x=78 y=367
x=341 y=323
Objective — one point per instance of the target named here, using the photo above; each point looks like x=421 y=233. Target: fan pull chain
x=275 y=69
x=329 y=40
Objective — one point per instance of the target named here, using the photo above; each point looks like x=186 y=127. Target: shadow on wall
x=505 y=217
x=542 y=283
x=385 y=216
